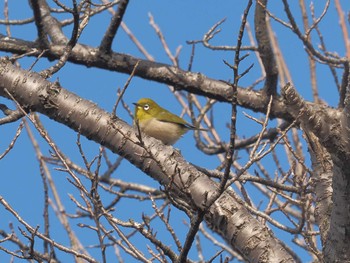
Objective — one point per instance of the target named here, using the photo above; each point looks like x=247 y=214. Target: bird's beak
x=135 y=104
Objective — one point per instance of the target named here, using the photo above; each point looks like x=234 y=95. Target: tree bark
x=227 y=216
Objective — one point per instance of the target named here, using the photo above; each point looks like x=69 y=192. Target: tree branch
x=265 y=50
x=227 y=216
x=47 y=24
x=106 y=43
x=196 y=83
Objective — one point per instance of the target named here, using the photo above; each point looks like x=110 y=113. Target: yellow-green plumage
x=158 y=122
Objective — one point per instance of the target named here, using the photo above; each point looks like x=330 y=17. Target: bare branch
x=106 y=43
x=264 y=47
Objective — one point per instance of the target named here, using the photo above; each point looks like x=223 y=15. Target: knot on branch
x=312 y=117
x=48 y=98
x=291 y=97
x=325 y=122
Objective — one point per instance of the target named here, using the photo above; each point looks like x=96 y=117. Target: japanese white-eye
x=159 y=122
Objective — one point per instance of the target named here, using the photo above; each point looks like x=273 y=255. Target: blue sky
x=179 y=21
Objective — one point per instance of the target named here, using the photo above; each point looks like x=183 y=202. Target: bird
x=160 y=123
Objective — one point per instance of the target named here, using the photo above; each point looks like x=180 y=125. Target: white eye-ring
x=146 y=107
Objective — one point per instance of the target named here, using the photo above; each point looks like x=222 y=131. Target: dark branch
x=11 y=115
x=183 y=80
x=265 y=49
x=106 y=43
x=47 y=25
x=39 y=23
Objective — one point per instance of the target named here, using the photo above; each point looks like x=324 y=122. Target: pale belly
x=156 y=129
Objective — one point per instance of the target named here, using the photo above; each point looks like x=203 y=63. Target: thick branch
x=322 y=181
x=226 y=216
x=190 y=81
x=323 y=121
x=327 y=126
x=336 y=248
x=346 y=111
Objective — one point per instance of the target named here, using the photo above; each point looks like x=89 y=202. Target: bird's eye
x=146 y=107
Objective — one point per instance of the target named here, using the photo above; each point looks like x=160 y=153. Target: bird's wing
x=163 y=116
